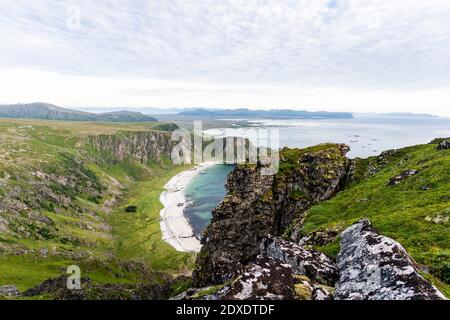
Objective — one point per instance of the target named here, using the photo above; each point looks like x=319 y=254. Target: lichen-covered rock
x=211 y=293
x=9 y=291
x=3 y=225
x=265 y=279
x=305 y=289
x=258 y=205
x=444 y=145
x=374 y=267
x=314 y=264
x=317 y=238
x=401 y=177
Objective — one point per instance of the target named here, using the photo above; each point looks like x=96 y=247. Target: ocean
x=203 y=194
x=367 y=136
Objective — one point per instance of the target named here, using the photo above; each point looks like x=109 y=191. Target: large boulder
x=265 y=279
x=402 y=177
x=311 y=263
x=444 y=145
x=9 y=291
x=374 y=267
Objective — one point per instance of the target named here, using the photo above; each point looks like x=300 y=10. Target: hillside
x=414 y=210
x=65 y=190
x=265 y=114
x=51 y=112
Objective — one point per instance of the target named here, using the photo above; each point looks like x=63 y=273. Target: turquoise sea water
x=367 y=136
x=204 y=193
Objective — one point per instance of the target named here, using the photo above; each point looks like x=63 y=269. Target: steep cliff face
x=257 y=205
x=140 y=146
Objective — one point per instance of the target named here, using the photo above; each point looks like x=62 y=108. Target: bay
x=203 y=194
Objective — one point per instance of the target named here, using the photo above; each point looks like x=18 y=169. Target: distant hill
x=407 y=115
x=267 y=114
x=47 y=111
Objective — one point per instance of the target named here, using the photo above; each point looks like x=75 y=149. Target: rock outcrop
x=311 y=263
x=258 y=205
x=402 y=177
x=265 y=279
x=316 y=238
x=444 y=145
x=374 y=267
x=141 y=146
x=9 y=291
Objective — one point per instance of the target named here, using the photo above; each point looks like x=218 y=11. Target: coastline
x=175 y=228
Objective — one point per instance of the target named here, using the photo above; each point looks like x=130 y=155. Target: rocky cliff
x=260 y=244
x=257 y=205
x=375 y=267
x=369 y=267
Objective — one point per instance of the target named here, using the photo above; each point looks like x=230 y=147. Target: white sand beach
x=175 y=227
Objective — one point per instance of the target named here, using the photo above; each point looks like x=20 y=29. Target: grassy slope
x=400 y=211
x=27 y=144
x=139 y=235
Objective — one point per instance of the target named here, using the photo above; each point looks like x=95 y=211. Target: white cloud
x=346 y=50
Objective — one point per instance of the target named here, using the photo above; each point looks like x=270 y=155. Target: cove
x=203 y=194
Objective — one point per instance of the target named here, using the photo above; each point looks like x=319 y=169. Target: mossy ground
x=401 y=212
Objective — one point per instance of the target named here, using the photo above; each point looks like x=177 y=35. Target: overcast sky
x=345 y=55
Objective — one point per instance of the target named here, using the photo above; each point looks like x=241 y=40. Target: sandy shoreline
x=175 y=228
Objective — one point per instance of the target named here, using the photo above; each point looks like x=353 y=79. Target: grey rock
x=211 y=293
x=265 y=279
x=319 y=237
x=444 y=145
x=9 y=291
x=374 y=267
x=311 y=263
x=3 y=225
x=401 y=177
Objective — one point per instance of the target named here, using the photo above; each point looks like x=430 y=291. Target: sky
x=336 y=55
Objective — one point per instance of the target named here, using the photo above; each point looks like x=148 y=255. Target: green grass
x=27 y=271
x=106 y=240
x=399 y=211
x=139 y=235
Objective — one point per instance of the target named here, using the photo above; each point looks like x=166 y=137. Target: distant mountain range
x=265 y=114
x=407 y=115
x=47 y=111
